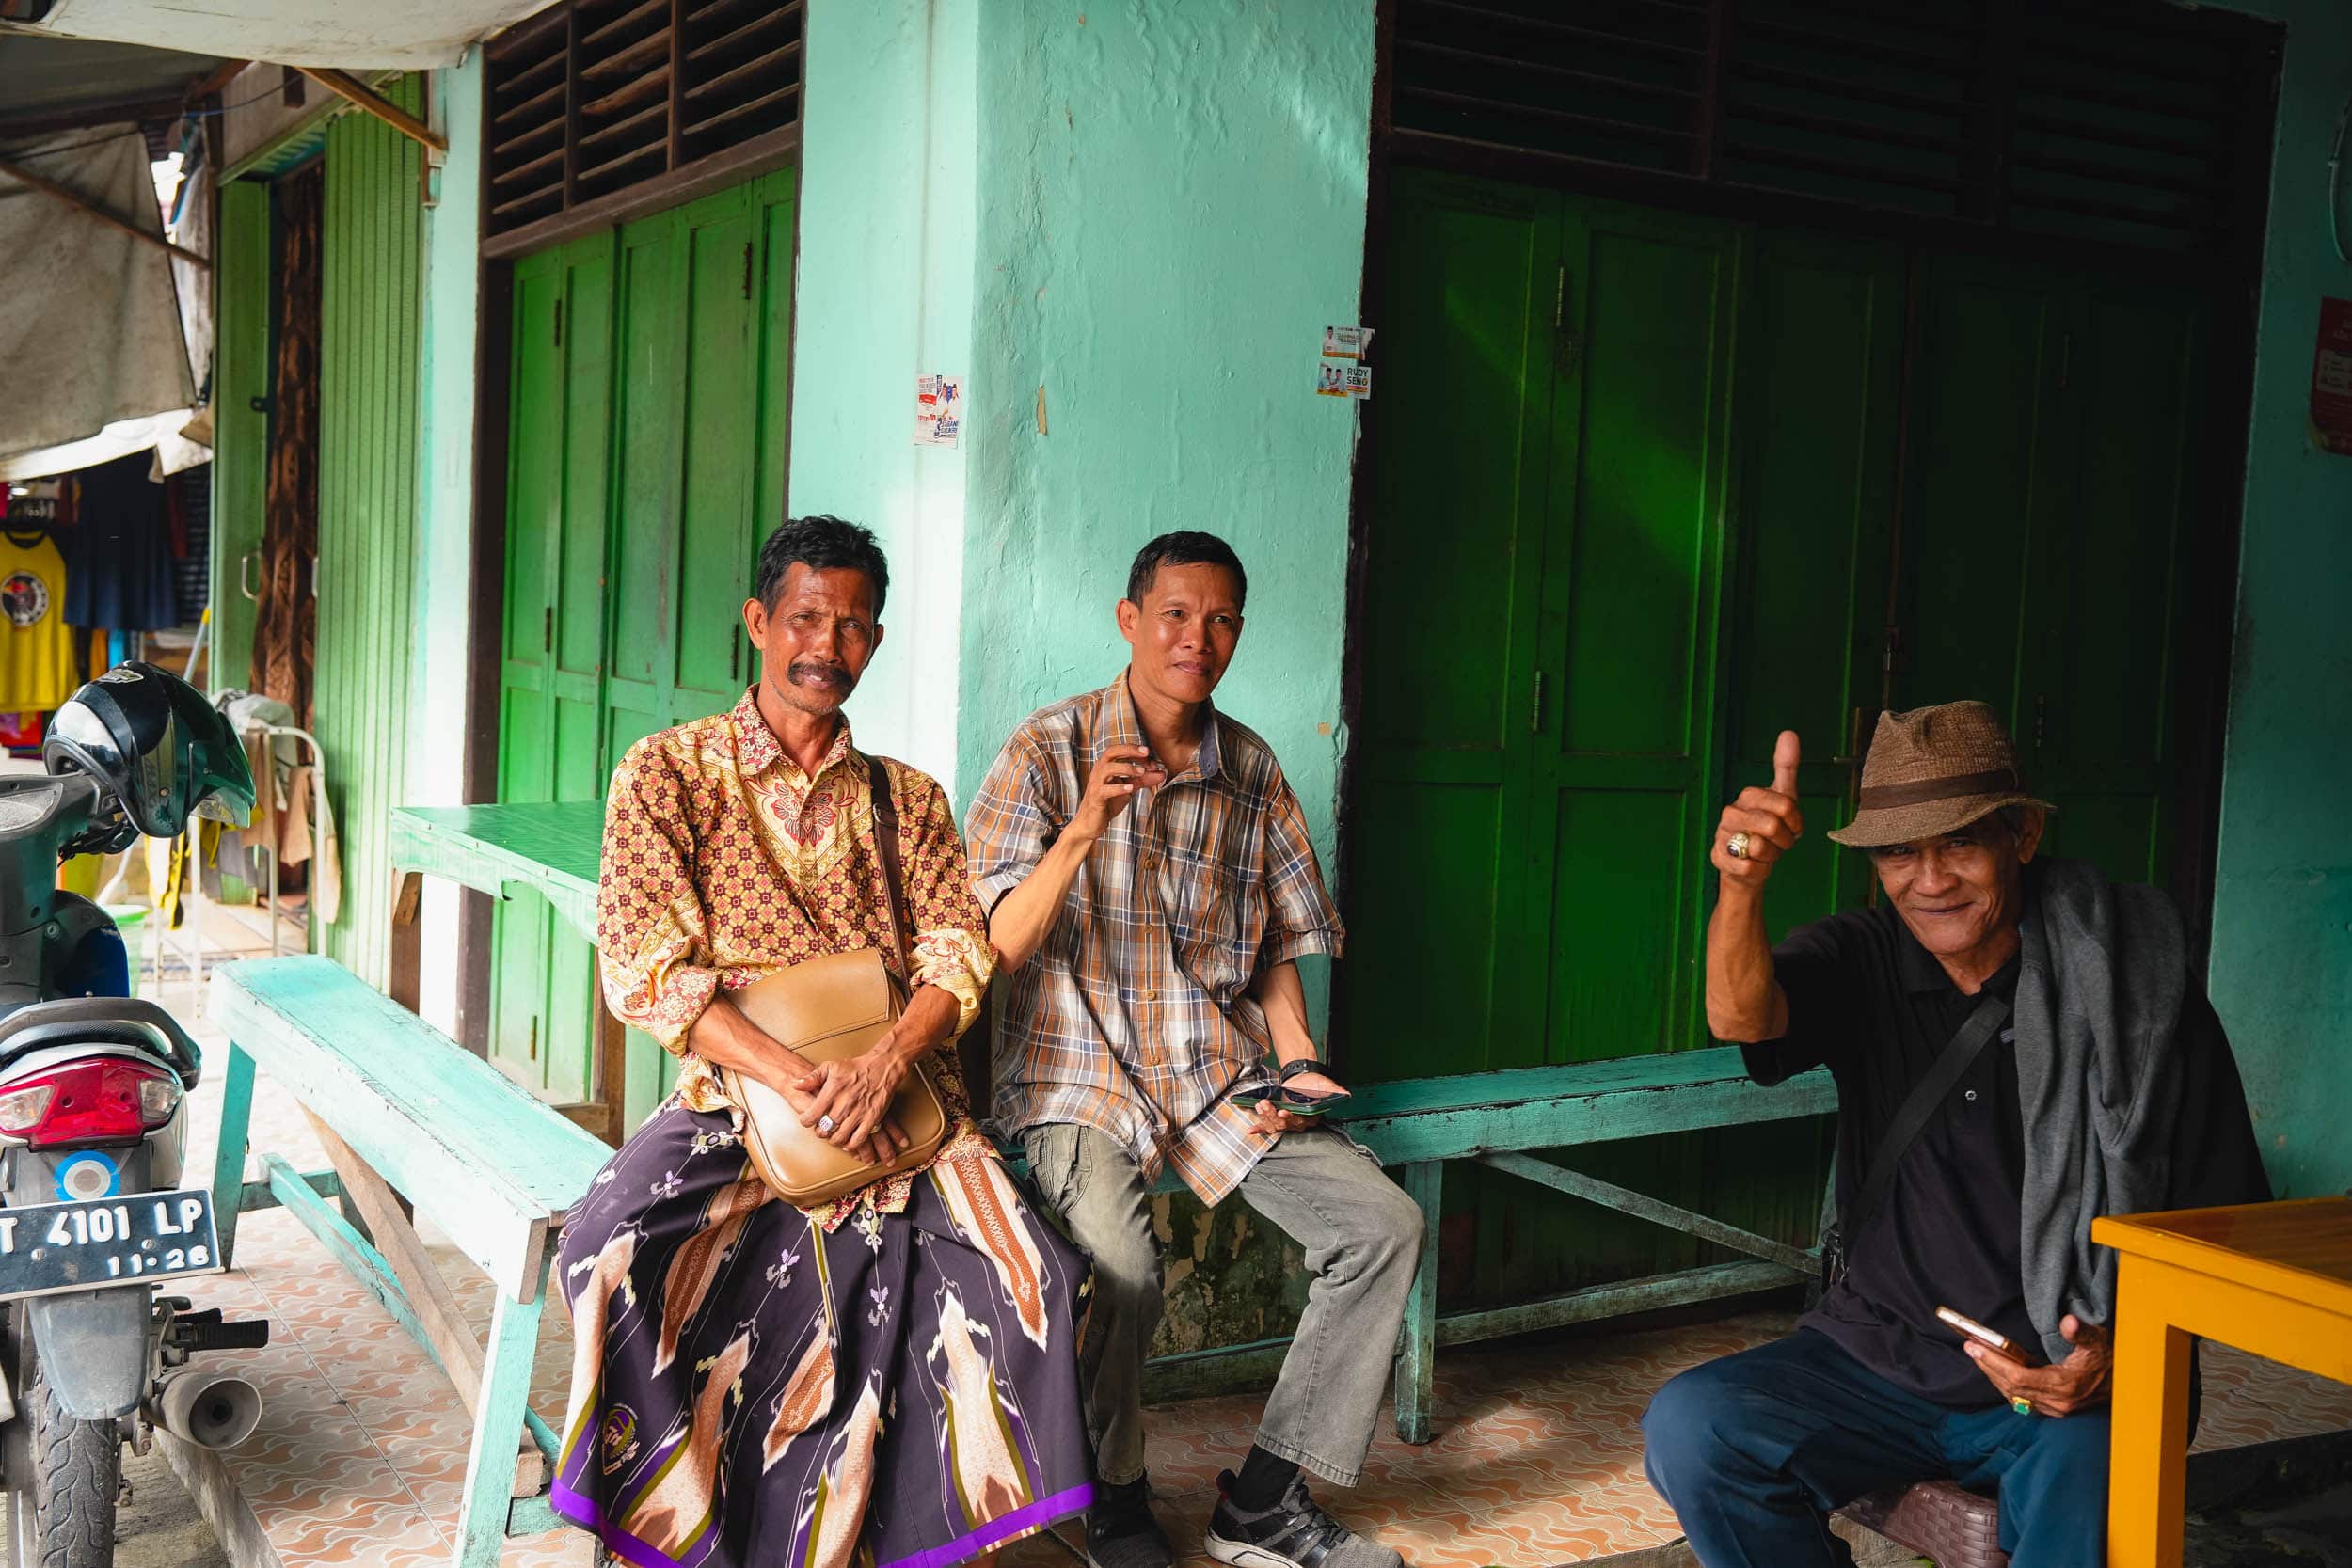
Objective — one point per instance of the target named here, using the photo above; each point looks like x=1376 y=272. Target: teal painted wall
x=885 y=294
x=2281 y=971
x=1171 y=208
x=445 y=488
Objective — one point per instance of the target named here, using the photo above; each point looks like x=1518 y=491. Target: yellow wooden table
x=2273 y=1278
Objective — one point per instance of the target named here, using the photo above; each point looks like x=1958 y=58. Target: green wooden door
x=372 y=285
x=647 y=426
x=1643 y=500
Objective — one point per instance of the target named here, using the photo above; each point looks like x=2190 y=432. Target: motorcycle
x=94 y=1215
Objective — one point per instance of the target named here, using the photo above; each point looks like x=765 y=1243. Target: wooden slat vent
x=596 y=96
x=2124 y=122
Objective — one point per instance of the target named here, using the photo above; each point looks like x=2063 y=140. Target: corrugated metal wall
x=368 y=421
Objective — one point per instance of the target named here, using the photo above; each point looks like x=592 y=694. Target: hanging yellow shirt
x=36 y=645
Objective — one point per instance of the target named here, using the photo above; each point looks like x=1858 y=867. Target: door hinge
x=1560 y=299
x=559 y=324
x=534 y=1039
x=734 y=657
x=1893 y=656
x=747 y=269
x=1535 y=706
x=2041 y=719
x=547 y=630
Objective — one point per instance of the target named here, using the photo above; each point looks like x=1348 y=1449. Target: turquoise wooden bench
x=405 y=1111
x=1498 y=1119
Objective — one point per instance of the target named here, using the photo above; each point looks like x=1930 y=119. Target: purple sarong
x=748 y=1389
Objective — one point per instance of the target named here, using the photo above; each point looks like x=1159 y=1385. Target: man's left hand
x=857 y=1093
x=2074 y=1383
x=1273 y=1120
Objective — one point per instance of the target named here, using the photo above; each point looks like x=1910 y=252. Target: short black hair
x=1185 y=547
x=822 y=543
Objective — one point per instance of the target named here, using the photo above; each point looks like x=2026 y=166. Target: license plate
x=49 y=1247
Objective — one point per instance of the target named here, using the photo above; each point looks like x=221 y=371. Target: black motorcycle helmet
x=152 y=742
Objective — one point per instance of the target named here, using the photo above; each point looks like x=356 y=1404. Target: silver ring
x=1736 y=845
x=824 y=1124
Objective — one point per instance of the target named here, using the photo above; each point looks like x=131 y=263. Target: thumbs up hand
x=1762 y=824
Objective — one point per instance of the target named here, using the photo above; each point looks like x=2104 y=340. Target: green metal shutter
x=368 y=426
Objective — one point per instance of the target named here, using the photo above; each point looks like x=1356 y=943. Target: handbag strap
x=1925 y=1098
x=886 y=841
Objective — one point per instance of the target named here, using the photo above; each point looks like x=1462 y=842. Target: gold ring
x=1736 y=845
x=2022 y=1405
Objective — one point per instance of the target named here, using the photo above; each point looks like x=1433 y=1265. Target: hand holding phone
x=1990 y=1339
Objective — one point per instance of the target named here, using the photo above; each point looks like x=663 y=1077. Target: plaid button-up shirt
x=1132 y=1018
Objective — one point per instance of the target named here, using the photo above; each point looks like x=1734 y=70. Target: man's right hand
x=1770 y=817
x=1117 y=775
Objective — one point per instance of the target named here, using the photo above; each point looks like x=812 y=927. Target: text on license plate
x=65 y=1246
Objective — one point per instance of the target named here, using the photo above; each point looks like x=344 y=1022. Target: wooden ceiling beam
x=345 y=85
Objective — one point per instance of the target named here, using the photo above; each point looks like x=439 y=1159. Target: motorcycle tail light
x=97 y=1101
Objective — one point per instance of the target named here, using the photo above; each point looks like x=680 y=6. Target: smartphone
x=1982 y=1335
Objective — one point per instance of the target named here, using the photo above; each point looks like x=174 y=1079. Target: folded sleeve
x=950 y=932
x=1015 y=817
x=1301 y=917
x=650 y=921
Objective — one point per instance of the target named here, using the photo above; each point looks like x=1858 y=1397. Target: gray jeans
x=1362 y=1237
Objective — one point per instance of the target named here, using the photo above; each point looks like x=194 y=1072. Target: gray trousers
x=1362 y=1237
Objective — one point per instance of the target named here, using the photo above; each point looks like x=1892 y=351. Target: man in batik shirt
x=754 y=1383
x=1152 y=885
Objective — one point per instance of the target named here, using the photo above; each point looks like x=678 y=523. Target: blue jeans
x=1754 y=1450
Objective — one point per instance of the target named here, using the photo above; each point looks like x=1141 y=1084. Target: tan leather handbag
x=832 y=1009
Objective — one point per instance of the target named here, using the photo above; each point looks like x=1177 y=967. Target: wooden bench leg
x=1416 y=1366
x=236 y=1116
x=498 y=1422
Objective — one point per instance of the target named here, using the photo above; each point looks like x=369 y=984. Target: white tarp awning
x=90 y=322
x=411 y=34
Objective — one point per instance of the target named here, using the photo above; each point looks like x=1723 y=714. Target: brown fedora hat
x=1932 y=771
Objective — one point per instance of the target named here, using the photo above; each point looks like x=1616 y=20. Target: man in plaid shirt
x=1149 y=884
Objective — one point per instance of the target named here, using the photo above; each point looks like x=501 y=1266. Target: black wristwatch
x=1304 y=1064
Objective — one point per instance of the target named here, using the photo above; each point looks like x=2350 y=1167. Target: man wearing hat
x=2018 y=1046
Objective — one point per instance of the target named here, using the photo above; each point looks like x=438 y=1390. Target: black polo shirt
x=1866 y=1000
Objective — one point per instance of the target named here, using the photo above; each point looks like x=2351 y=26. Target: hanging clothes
x=119 y=559
x=36 y=665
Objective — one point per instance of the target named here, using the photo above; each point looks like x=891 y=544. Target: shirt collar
x=1920 y=973
x=1120 y=727
x=757 y=749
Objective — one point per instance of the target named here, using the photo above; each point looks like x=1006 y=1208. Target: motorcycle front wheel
x=67 y=1519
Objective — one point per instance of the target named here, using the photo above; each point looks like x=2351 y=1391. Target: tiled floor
x=362 y=1448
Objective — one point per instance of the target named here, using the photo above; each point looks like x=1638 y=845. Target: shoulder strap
x=886 y=841
x=1925 y=1098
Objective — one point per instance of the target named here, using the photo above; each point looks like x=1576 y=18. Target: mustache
x=810 y=670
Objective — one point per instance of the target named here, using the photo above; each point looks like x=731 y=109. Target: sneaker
x=1120 y=1530
x=1294 y=1533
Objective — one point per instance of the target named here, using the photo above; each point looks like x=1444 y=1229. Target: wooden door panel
x=2098 y=720
x=1819 y=370
x=1652 y=299
x=648 y=403
x=722 y=432
x=1620 y=779
x=1981 y=480
x=1449 y=651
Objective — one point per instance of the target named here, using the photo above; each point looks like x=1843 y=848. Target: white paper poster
x=1341 y=373
x=938 y=409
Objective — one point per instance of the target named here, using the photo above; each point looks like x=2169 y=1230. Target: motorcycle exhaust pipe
x=208 y=1409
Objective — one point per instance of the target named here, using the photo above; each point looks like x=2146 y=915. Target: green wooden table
x=550 y=848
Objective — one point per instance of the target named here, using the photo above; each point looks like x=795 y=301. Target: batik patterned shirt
x=724 y=863
x=1134 y=1017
